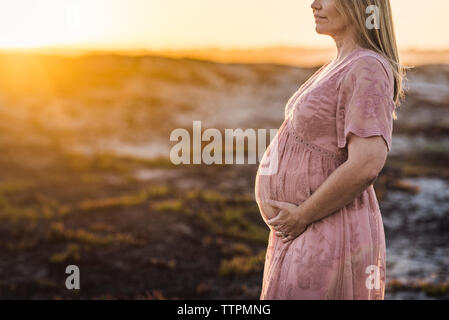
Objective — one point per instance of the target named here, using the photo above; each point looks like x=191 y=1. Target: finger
x=285 y=228
x=278 y=225
x=277 y=204
x=279 y=218
x=282 y=204
x=276 y=220
x=279 y=234
x=280 y=228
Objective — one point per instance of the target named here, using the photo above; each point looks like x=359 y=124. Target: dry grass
x=72 y=252
x=59 y=232
x=242 y=265
x=170 y=205
x=430 y=289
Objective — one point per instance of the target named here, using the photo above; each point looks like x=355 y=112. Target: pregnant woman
x=314 y=186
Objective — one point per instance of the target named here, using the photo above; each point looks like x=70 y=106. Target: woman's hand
x=288 y=223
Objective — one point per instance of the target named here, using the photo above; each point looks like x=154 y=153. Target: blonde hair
x=381 y=40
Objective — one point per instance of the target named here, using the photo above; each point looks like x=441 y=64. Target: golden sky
x=173 y=24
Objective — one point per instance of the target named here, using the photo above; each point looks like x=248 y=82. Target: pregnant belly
x=285 y=186
x=289 y=175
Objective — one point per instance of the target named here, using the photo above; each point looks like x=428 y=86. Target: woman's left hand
x=287 y=223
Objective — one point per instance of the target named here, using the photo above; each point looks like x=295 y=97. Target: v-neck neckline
x=312 y=80
x=306 y=85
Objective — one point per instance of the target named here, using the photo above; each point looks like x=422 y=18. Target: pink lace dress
x=343 y=255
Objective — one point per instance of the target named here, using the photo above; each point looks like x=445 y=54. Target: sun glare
x=31 y=24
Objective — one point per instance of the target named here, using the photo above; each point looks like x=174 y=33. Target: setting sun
x=29 y=24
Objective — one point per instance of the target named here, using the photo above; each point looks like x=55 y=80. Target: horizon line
x=81 y=50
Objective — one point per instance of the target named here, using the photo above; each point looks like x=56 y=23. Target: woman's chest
x=313 y=114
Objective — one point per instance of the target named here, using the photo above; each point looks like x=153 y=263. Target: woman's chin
x=320 y=30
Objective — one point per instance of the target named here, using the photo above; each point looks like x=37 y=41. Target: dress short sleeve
x=365 y=101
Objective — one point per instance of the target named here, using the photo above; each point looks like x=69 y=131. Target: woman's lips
x=317 y=17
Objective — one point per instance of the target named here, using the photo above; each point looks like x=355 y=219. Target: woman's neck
x=345 y=44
